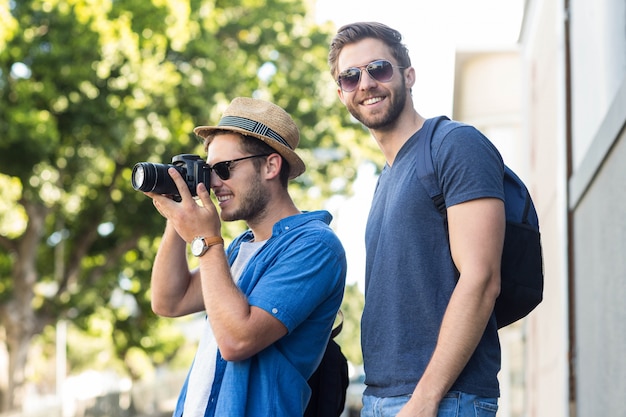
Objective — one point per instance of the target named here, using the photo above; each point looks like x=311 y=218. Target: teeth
x=222 y=198
x=372 y=100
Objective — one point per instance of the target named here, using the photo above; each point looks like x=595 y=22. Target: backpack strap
x=337 y=329
x=425 y=166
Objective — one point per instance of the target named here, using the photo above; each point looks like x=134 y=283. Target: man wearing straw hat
x=271 y=297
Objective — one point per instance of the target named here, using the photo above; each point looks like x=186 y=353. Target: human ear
x=409 y=77
x=273 y=163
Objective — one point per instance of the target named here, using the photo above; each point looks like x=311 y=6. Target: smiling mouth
x=373 y=100
x=223 y=198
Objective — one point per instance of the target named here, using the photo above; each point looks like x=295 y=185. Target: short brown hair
x=355 y=32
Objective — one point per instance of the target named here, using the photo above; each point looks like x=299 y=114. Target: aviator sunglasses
x=380 y=70
x=222 y=169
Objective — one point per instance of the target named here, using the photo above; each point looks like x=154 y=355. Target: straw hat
x=262 y=120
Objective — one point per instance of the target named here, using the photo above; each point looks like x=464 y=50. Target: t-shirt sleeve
x=468 y=166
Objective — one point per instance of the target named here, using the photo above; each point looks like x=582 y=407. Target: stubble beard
x=387 y=118
x=253 y=203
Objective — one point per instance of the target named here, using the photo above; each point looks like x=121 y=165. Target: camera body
x=150 y=177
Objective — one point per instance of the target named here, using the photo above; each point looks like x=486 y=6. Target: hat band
x=252 y=127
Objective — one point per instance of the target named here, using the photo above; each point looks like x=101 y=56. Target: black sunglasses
x=380 y=70
x=222 y=169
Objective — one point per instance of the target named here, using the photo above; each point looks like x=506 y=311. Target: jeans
x=454 y=404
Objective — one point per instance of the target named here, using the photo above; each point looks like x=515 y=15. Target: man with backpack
x=429 y=332
x=272 y=296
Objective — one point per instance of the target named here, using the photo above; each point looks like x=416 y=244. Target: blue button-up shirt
x=298 y=276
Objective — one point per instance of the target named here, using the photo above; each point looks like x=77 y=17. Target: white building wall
x=575 y=363
x=597 y=198
x=598 y=61
x=544 y=110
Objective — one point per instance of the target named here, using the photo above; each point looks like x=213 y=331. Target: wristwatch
x=200 y=244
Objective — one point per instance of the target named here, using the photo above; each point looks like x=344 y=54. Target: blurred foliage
x=90 y=87
x=350 y=337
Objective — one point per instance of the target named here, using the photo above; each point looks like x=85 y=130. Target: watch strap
x=214 y=240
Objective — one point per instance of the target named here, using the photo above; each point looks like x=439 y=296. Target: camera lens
x=138 y=177
x=151 y=177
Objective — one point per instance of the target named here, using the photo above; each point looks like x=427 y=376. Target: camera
x=154 y=178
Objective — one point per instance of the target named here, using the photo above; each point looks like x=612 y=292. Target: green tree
x=90 y=87
x=350 y=337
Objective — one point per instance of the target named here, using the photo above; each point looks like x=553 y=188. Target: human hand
x=189 y=218
x=414 y=408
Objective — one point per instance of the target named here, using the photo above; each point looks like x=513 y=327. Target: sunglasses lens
x=349 y=79
x=380 y=70
x=222 y=170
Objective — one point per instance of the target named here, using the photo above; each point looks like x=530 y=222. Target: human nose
x=366 y=80
x=215 y=180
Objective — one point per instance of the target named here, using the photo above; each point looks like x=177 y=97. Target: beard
x=253 y=203
x=388 y=117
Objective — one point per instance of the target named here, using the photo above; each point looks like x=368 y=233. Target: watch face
x=197 y=246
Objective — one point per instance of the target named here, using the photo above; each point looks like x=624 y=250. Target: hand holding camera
x=188 y=218
x=153 y=178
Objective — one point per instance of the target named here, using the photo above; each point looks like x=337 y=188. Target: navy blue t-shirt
x=410 y=274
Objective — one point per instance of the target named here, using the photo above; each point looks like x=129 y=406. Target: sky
x=432 y=30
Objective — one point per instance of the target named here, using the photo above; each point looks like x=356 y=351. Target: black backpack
x=522 y=262
x=330 y=381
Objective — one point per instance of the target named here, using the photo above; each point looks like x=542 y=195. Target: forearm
x=240 y=329
x=476 y=233
x=462 y=328
x=171 y=282
x=227 y=307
